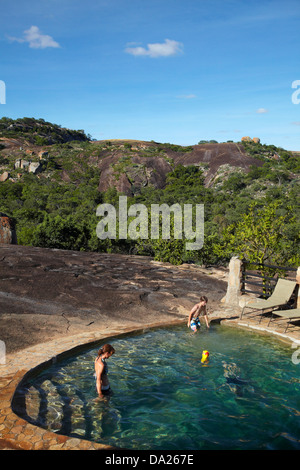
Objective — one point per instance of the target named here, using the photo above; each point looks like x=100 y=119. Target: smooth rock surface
x=49 y=293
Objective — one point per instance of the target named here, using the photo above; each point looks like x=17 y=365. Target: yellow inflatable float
x=205 y=355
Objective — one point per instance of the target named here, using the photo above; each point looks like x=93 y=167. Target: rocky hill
x=50 y=191
x=45 y=149
x=129 y=166
x=125 y=166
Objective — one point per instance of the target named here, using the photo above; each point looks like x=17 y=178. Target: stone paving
x=16 y=433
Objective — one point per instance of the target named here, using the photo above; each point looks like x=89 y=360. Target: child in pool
x=102 y=383
x=198 y=310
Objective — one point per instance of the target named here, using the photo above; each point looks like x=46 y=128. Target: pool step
x=55 y=406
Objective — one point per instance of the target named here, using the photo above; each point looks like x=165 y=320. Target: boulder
x=135 y=172
x=35 y=167
x=18 y=163
x=4 y=176
x=24 y=164
x=7 y=230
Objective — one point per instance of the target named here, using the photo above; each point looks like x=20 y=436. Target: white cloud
x=262 y=111
x=36 y=39
x=165 y=49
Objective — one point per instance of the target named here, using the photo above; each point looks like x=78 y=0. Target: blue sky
x=176 y=71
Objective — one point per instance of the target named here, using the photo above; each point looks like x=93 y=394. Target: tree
x=262 y=235
x=63 y=233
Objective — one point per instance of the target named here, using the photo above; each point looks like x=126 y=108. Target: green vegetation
x=263 y=235
x=38 y=131
x=264 y=231
x=255 y=215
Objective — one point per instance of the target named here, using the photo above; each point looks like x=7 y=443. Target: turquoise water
x=245 y=397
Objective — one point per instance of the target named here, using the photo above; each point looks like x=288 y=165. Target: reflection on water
x=164 y=397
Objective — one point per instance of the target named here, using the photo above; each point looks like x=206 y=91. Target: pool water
x=163 y=397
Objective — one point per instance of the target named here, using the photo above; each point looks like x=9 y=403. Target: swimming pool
x=164 y=397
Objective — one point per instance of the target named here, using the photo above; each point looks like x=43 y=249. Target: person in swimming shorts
x=197 y=311
x=101 y=369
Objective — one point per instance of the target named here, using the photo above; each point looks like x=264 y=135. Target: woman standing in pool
x=101 y=369
x=198 y=310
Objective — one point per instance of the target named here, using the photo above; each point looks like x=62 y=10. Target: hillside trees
x=58 y=209
x=266 y=234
